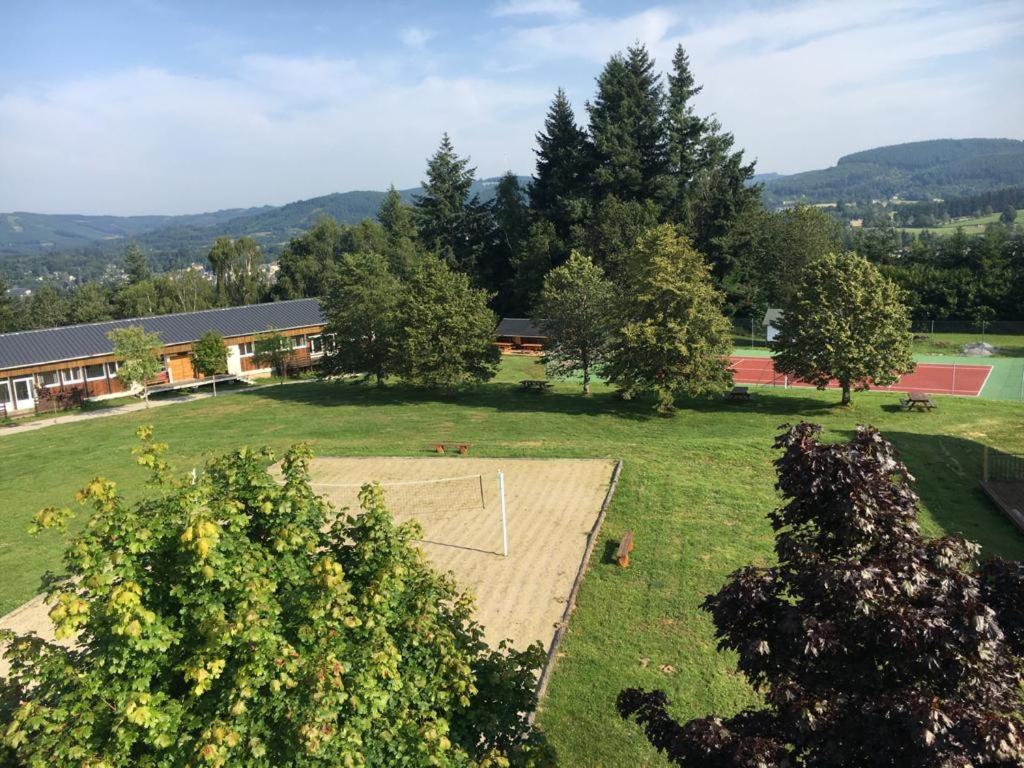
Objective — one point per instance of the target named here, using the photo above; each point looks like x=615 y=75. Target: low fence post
x=984 y=464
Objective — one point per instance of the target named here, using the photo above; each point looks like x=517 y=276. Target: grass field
x=694 y=489
x=973 y=225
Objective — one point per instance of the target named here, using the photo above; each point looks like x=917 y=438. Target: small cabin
x=518 y=335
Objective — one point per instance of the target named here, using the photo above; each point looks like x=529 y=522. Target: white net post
x=504 y=519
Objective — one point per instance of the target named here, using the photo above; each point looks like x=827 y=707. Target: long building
x=56 y=367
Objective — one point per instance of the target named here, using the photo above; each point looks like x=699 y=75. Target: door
x=23 y=396
x=180 y=367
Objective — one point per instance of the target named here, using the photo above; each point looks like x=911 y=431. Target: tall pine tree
x=685 y=134
x=445 y=214
x=560 y=189
x=628 y=129
x=511 y=218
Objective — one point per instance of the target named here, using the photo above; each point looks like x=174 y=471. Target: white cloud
x=279 y=129
x=414 y=37
x=563 y=8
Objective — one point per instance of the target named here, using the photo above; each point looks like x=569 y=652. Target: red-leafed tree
x=872 y=645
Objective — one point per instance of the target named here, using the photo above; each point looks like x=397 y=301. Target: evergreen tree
x=845 y=322
x=562 y=183
x=628 y=129
x=362 y=311
x=449 y=329
x=614 y=228
x=511 y=231
x=530 y=265
x=399 y=222
x=136 y=266
x=685 y=133
x=673 y=338
x=444 y=209
x=10 y=319
x=575 y=311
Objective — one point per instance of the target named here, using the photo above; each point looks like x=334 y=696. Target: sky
x=156 y=106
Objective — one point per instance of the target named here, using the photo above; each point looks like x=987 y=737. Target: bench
x=919 y=400
x=625 y=547
x=739 y=394
x=462 y=448
x=531 y=347
x=535 y=385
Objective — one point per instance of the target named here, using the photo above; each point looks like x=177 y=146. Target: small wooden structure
x=920 y=400
x=625 y=547
x=535 y=385
x=518 y=335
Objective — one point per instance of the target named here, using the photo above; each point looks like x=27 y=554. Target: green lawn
x=973 y=225
x=694 y=489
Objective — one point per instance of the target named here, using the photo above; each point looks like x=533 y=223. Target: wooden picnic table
x=920 y=400
x=738 y=393
x=538 y=385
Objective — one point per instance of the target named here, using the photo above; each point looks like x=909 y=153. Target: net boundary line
x=387 y=484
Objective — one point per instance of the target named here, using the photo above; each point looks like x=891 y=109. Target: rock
x=979 y=349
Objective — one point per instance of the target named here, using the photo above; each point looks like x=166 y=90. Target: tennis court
x=933 y=378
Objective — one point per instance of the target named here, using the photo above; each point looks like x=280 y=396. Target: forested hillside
x=40 y=244
x=920 y=170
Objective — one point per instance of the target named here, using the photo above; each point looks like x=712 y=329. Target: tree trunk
x=145 y=394
x=380 y=376
x=215 y=385
x=846 y=393
x=586 y=381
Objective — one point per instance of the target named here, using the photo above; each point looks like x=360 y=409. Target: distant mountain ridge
x=24 y=234
x=920 y=170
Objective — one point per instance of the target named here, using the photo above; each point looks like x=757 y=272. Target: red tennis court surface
x=933 y=378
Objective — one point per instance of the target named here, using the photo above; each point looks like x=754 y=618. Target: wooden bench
x=625 y=547
x=532 y=347
x=535 y=385
x=919 y=400
x=462 y=448
x=739 y=394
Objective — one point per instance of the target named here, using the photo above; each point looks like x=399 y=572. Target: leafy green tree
x=137 y=353
x=444 y=209
x=273 y=350
x=210 y=356
x=796 y=237
x=138 y=300
x=230 y=620
x=614 y=229
x=845 y=322
x=90 y=303
x=1009 y=215
x=189 y=291
x=10 y=310
x=449 y=329
x=673 y=338
x=561 y=187
x=136 y=266
x=575 y=312
x=46 y=308
x=399 y=222
x=627 y=128
x=362 y=311
x=236 y=269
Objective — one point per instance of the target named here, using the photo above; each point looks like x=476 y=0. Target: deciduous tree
x=874 y=647
x=137 y=354
x=232 y=620
x=210 y=356
x=845 y=322
x=362 y=311
x=575 y=312
x=673 y=338
x=273 y=350
x=449 y=330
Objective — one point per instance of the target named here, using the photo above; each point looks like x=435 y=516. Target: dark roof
x=73 y=342
x=519 y=326
x=771 y=317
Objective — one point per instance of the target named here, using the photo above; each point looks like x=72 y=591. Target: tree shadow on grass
x=511 y=398
x=948 y=470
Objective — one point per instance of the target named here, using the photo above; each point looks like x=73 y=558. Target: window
x=298 y=342
x=93 y=372
x=246 y=349
x=316 y=345
x=71 y=375
x=112 y=368
x=5 y=392
x=49 y=379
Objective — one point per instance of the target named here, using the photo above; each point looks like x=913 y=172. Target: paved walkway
x=67 y=418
